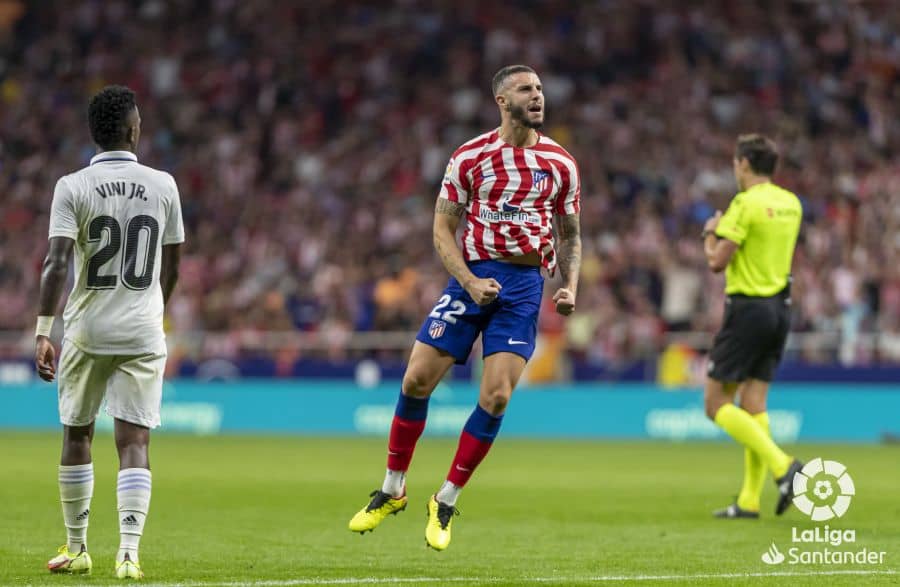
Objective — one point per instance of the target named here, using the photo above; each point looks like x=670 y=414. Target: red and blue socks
x=406 y=428
x=474 y=443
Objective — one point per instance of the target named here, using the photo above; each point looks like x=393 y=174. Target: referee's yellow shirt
x=764 y=222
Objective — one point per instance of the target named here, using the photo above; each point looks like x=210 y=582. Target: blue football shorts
x=508 y=324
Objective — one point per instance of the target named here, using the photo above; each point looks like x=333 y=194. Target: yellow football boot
x=382 y=504
x=65 y=562
x=440 y=517
x=129 y=569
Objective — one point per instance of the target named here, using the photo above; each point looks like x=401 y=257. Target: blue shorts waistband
x=502 y=266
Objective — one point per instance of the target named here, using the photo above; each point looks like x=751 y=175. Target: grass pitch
x=274 y=511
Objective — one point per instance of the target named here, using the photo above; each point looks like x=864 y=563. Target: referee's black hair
x=108 y=114
x=504 y=73
x=759 y=151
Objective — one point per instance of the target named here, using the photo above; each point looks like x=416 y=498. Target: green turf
x=242 y=509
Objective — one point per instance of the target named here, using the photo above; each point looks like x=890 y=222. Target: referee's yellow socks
x=741 y=426
x=754 y=471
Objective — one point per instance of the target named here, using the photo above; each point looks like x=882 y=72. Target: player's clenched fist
x=565 y=301
x=483 y=291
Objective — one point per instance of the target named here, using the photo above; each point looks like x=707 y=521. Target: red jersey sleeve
x=455 y=186
x=569 y=199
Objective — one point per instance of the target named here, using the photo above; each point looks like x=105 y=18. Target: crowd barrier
x=799 y=412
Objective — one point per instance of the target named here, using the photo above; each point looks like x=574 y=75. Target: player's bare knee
x=78 y=438
x=133 y=454
x=76 y=446
x=495 y=399
x=135 y=445
x=753 y=405
x=417 y=383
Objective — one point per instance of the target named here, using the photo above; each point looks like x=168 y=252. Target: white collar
x=113 y=156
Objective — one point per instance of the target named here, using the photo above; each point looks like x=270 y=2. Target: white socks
x=76 y=487
x=448 y=493
x=394 y=482
x=134 y=502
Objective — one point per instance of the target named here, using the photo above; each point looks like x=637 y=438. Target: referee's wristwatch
x=706 y=233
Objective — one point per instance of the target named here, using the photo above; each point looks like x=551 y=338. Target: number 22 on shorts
x=457 y=308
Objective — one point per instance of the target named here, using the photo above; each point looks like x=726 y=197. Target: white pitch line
x=517 y=580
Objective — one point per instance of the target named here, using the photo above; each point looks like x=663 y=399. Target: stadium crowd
x=309 y=140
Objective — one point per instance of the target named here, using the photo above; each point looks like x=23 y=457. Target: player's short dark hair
x=504 y=73
x=759 y=151
x=107 y=116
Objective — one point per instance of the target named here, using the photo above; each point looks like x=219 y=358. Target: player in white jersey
x=123 y=221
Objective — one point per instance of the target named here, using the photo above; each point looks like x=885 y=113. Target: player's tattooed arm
x=446 y=220
x=445 y=206
x=568 y=230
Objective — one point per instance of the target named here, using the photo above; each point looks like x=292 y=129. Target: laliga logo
x=823 y=489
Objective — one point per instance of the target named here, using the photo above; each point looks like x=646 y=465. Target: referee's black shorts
x=752 y=338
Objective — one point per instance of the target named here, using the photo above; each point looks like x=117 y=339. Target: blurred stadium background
x=308 y=140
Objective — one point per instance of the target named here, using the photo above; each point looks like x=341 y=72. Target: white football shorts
x=131 y=384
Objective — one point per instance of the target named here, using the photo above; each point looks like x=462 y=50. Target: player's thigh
x=135 y=389
x=453 y=324
x=501 y=374
x=427 y=366
x=513 y=326
x=83 y=381
x=753 y=394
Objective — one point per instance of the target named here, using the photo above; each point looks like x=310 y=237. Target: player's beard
x=520 y=114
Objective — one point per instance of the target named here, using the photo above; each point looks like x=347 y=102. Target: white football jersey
x=119 y=213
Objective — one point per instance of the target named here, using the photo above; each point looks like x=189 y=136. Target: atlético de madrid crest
x=539 y=179
x=437 y=328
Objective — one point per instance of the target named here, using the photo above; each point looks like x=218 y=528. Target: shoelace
x=444 y=513
x=379 y=498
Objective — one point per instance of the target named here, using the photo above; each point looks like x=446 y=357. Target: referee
x=753 y=242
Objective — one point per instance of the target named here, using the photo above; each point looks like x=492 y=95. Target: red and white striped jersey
x=511 y=194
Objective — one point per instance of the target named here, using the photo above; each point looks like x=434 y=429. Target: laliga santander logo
x=823 y=490
x=773 y=556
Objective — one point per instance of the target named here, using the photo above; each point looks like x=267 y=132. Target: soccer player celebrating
x=754 y=243
x=123 y=221
x=509 y=183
